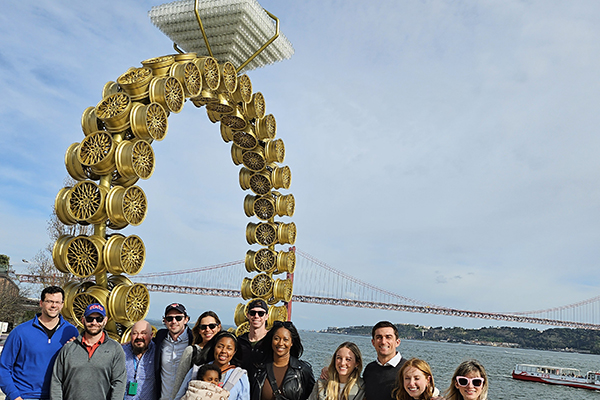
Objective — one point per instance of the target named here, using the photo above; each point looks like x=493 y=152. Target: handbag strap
x=273 y=382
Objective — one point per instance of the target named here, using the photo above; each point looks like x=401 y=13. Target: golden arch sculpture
x=116 y=152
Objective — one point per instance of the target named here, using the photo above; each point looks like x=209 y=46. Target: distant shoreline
x=558 y=339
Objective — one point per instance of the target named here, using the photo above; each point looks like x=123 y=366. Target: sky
x=443 y=150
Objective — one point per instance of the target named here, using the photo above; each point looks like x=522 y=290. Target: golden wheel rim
x=239 y=315
x=286 y=262
x=245 y=140
x=114 y=112
x=265 y=260
x=256 y=107
x=74 y=167
x=149 y=122
x=133 y=255
x=210 y=71
x=243 y=328
x=261 y=285
x=159 y=65
x=254 y=160
x=116 y=280
x=90 y=122
x=266 y=234
x=129 y=303
x=276 y=314
x=229 y=80
x=222 y=106
x=281 y=177
x=286 y=233
x=58 y=251
x=260 y=183
x=174 y=95
x=61 y=205
x=135 y=159
x=126 y=206
x=83 y=255
x=235 y=120
x=282 y=290
x=285 y=205
x=86 y=202
x=264 y=208
x=275 y=151
x=243 y=93
x=135 y=82
x=97 y=151
x=193 y=79
x=266 y=128
x=246 y=292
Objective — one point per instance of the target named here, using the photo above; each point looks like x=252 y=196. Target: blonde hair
x=452 y=393
x=400 y=393
x=333 y=383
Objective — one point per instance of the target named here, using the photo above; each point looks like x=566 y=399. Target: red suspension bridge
x=319 y=283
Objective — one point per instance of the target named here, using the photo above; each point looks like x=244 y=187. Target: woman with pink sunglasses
x=469 y=382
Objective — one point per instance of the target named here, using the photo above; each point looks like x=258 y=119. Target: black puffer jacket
x=297 y=384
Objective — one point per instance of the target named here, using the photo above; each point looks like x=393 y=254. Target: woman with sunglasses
x=223 y=351
x=344 y=382
x=469 y=382
x=282 y=376
x=206 y=327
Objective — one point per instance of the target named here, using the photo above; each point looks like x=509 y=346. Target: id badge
x=131 y=388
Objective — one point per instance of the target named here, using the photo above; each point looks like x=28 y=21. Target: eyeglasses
x=252 y=313
x=208 y=326
x=170 y=318
x=464 y=381
x=53 y=303
x=91 y=319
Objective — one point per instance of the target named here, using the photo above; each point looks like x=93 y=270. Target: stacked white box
x=235 y=30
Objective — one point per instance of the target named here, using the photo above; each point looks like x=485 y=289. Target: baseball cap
x=175 y=306
x=95 y=308
x=258 y=303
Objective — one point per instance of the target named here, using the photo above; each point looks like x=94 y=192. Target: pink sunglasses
x=463 y=381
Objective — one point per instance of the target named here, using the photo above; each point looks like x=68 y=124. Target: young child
x=415 y=381
x=207 y=386
x=209 y=373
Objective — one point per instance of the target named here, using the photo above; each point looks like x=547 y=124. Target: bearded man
x=139 y=362
x=91 y=367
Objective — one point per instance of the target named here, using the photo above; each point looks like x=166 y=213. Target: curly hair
x=267 y=342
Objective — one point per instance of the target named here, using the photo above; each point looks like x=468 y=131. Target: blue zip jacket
x=28 y=357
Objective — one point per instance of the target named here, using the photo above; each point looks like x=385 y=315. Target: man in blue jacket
x=31 y=348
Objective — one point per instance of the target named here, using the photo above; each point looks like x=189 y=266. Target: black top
x=380 y=380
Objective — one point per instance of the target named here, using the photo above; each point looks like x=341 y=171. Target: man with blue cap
x=92 y=366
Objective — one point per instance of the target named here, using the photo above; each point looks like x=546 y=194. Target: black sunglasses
x=260 y=313
x=170 y=318
x=209 y=326
x=91 y=319
x=286 y=324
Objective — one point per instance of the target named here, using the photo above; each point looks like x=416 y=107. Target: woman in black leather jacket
x=282 y=376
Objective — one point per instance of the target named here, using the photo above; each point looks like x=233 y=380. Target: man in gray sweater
x=92 y=367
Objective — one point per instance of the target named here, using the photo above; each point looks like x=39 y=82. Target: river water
x=445 y=357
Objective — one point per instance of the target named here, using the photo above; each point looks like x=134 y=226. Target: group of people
x=47 y=358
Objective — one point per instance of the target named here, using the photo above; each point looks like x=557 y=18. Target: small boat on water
x=557 y=376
